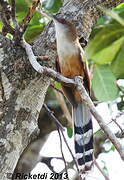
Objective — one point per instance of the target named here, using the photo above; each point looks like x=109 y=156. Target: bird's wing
x=86 y=78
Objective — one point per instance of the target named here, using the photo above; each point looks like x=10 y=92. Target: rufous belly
x=72 y=66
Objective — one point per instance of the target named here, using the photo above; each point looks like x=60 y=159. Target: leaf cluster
x=105 y=52
x=38 y=22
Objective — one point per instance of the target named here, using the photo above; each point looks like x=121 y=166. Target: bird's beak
x=54 y=18
x=50 y=16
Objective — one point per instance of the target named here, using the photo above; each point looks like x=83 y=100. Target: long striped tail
x=83 y=137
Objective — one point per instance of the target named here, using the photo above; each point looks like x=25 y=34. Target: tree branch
x=29 y=16
x=102 y=172
x=98 y=117
x=78 y=83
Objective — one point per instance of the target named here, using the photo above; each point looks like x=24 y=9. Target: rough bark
x=22 y=90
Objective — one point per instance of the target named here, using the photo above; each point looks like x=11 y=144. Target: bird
x=70 y=63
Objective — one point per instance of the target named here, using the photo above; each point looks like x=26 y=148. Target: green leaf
x=57 y=85
x=117 y=65
x=1 y=25
x=34 y=27
x=101 y=21
x=21 y=9
x=120 y=11
x=69 y=132
x=112 y=14
x=120 y=6
x=104 y=84
x=32 y=32
x=20 y=16
x=105 y=20
x=104 y=38
x=113 y=147
x=36 y=19
x=107 y=54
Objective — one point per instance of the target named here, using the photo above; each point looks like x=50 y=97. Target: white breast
x=66 y=49
x=64 y=46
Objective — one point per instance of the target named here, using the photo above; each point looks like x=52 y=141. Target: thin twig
x=77 y=82
x=120 y=134
x=64 y=107
x=53 y=117
x=59 y=132
x=70 y=151
x=117 y=116
x=56 y=89
x=102 y=172
x=114 y=120
x=29 y=15
x=20 y=29
x=13 y=13
x=47 y=161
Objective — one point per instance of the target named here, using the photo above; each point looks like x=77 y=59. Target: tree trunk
x=22 y=90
